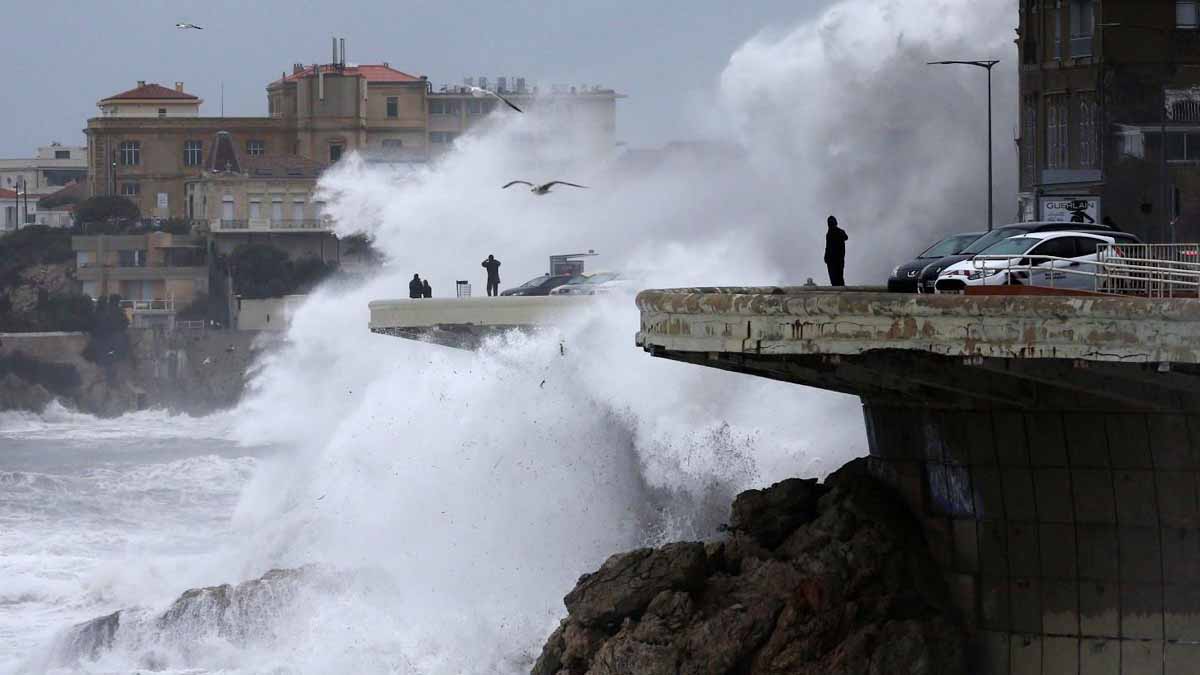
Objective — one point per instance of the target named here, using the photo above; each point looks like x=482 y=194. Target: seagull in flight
x=478 y=92
x=544 y=188
x=185 y=26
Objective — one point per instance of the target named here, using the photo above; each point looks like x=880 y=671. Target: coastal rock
x=813 y=578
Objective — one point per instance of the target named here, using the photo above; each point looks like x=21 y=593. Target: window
x=277 y=209
x=192 y=154
x=131 y=258
x=1057 y=26
x=335 y=152
x=392 y=143
x=1088 y=145
x=1186 y=14
x=297 y=209
x=393 y=106
x=1183 y=147
x=1062 y=247
x=255 y=207
x=62 y=154
x=1057 y=133
x=131 y=189
x=443 y=107
x=130 y=153
x=255 y=148
x=442 y=136
x=162 y=112
x=1029 y=138
x=1083 y=25
x=475 y=107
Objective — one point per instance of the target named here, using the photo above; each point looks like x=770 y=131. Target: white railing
x=149 y=305
x=272 y=225
x=1149 y=270
x=1144 y=270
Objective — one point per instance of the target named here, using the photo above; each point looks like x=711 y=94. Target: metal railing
x=265 y=224
x=149 y=305
x=1143 y=270
x=1149 y=270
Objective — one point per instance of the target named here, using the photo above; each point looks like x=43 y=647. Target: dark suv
x=929 y=275
x=540 y=285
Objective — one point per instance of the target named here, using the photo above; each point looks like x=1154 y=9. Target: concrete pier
x=1050 y=445
x=464 y=323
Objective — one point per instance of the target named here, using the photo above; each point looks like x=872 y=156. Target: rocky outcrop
x=238 y=614
x=812 y=578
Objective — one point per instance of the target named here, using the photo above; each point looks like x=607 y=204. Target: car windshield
x=1014 y=246
x=949 y=246
x=992 y=237
x=535 y=282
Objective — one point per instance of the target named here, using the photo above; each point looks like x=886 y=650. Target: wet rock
x=813 y=578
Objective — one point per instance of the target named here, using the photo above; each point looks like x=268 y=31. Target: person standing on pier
x=426 y=290
x=835 y=252
x=493 y=275
x=415 y=288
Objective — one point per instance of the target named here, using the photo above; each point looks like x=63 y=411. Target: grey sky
x=64 y=56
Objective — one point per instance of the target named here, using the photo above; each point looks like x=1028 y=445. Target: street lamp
x=1168 y=226
x=986 y=65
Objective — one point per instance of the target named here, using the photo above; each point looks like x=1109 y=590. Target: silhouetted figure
x=415 y=288
x=1107 y=220
x=835 y=252
x=493 y=270
x=426 y=291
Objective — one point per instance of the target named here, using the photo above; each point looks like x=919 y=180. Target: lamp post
x=1168 y=225
x=986 y=65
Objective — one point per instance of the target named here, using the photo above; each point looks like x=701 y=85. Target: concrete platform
x=1050 y=446
x=463 y=323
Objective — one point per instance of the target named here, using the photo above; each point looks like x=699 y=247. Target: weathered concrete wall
x=274 y=314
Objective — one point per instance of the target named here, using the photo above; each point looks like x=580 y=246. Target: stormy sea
x=425 y=508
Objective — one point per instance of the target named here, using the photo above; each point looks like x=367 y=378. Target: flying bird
x=185 y=26
x=544 y=188
x=480 y=91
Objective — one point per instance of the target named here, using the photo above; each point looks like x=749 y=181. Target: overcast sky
x=62 y=57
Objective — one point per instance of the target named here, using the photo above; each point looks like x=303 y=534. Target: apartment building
x=149 y=143
x=246 y=199
x=155 y=274
x=1110 y=114
x=53 y=166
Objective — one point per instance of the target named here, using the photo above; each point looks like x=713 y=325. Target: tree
x=107 y=215
x=109 y=339
x=260 y=271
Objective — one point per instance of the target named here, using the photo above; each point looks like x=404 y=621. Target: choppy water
x=96 y=515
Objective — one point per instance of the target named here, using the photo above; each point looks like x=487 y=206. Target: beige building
x=54 y=166
x=155 y=274
x=149 y=143
x=246 y=199
x=151 y=100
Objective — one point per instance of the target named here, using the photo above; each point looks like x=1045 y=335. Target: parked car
x=585 y=284
x=904 y=277
x=1050 y=259
x=540 y=285
x=929 y=275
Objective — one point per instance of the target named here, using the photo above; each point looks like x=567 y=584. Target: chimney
x=334 y=60
x=179 y=87
x=342 y=60
x=297 y=67
x=141 y=83
x=386 y=64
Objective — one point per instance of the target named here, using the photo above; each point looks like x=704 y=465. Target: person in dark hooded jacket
x=835 y=252
x=415 y=288
x=426 y=290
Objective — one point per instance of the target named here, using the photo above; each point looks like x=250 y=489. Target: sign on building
x=1082 y=209
x=163 y=200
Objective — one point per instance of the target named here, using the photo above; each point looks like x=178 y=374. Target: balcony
x=271 y=225
x=149 y=306
x=94 y=272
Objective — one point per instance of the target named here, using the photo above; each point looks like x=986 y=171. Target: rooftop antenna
x=333 y=56
x=342 y=61
x=222 y=98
